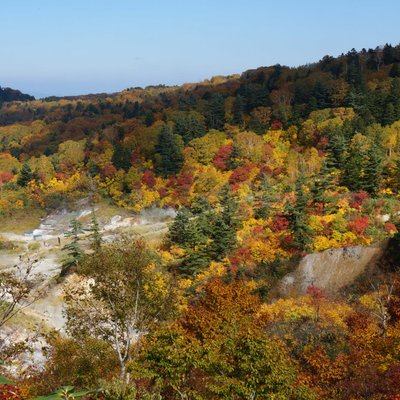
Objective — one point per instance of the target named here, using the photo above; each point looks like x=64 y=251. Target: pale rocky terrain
x=43 y=244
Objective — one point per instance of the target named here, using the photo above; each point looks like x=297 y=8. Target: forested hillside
x=262 y=168
x=8 y=94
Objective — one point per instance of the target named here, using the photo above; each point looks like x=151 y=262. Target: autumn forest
x=259 y=173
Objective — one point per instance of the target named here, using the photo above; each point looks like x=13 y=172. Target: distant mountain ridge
x=8 y=94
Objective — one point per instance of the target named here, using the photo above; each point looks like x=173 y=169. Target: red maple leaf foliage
x=359 y=225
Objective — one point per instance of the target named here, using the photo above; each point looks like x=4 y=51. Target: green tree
x=225 y=223
x=73 y=248
x=390 y=114
x=372 y=181
x=25 y=175
x=121 y=158
x=122 y=297
x=297 y=215
x=169 y=149
x=324 y=183
x=238 y=110
x=189 y=126
x=215 y=114
x=265 y=199
x=354 y=167
x=94 y=233
x=395 y=71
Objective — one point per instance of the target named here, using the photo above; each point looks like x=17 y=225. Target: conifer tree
x=25 y=175
x=390 y=114
x=169 y=149
x=178 y=229
x=189 y=127
x=73 y=249
x=372 y=178
x=224 y=226
x=95 y=235
x=336 y=149
x=395 y=71
x=264 y=199
x=297 y=215
x=121 y=158
x=238 y=110
x=353 y=169
x=394 y=97
x=215 y=115
x=323 y=184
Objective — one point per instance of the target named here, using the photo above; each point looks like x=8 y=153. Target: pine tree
x=189 y=126
x=215 y=115
x=372 y=179
x=190 y=231
x=395 y=71
x=25 y=175
x=169 y=149
x=238 y=110
x=297 y=215
x=95 y=235
x=394 y=98
x=224 y=225
x=336 y=149
x=323 y=184
x=73 y=249
x=390 y=114
x=264 y=200
x=234 y=158
x=354 y=167
x=149 y=118
x=121 y=158
x=178 y=230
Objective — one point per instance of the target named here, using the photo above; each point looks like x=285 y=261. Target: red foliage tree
x=359 y=225
x=148 y=179
x=358 y=199
x=222 y=156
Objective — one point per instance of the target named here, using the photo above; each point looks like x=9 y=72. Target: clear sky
x=65 y=47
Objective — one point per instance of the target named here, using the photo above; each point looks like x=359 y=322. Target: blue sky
x=65 y=47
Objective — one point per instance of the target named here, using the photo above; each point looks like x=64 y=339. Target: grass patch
x=21 y=221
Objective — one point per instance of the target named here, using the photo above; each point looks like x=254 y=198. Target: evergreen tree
x=149 y=118
x=189 y=126
x=390 y=114
x=25 y=175
x=73 y=249
x=354 y=74
x=297 y=215
x=394 y=98
x=169 y=149
x=238 y=110
x=95 y=235
x=224 y=225
x=264 y=199
x=234 y=158
x=191 y=232
x=121 y=158
x=215 y=114
x=336 y=149
x=372 y=179
x=93 y=169
x=178 y=231
x=354 y=168
x=395 y=71
x=323 y=184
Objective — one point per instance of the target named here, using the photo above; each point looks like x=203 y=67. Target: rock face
x=331 y=269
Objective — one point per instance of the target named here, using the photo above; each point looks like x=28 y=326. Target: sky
x=69 y=47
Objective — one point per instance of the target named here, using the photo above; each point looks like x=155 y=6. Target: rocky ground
x=46 y=241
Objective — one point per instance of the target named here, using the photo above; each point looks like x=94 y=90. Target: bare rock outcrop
x=331 y=269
